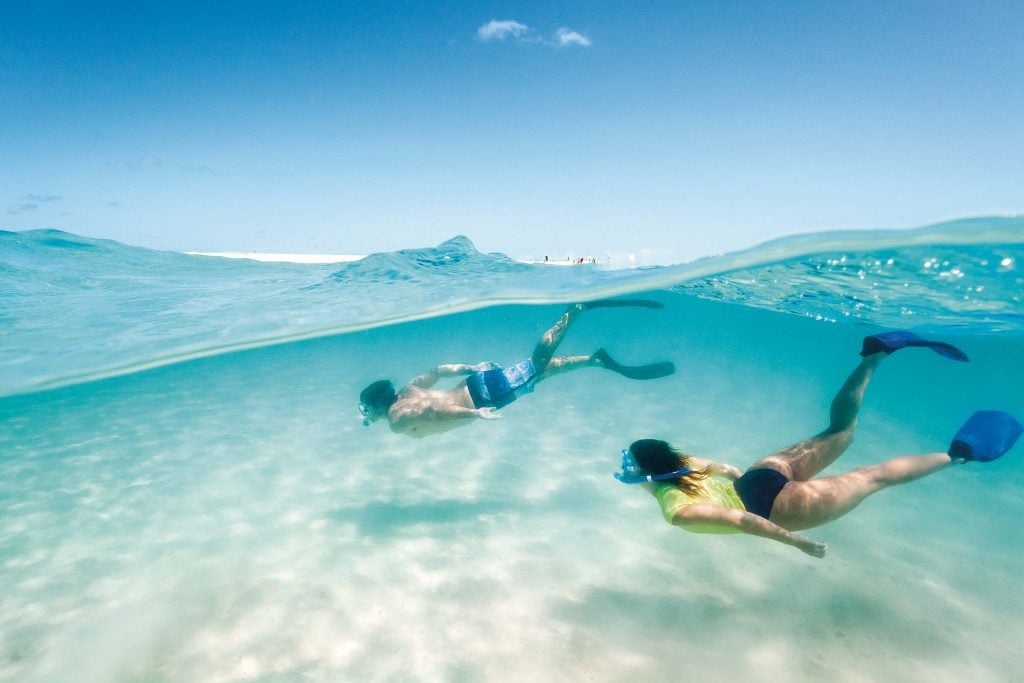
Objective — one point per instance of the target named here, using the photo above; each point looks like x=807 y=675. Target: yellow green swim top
x=715 y=492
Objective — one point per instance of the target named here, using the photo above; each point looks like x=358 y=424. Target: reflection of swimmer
x=419 y=410
x=779 y=494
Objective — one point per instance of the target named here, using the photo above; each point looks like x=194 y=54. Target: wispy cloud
x=500 y=29
x=41 y=198
x=567 y=37
x=200 y=169
x=31 y=202
x=146 y=163
x=503 y=29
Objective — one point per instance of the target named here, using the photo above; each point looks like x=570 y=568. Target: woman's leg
x=804 y=460
x=806 y=504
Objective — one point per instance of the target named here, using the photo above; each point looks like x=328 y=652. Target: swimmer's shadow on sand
x=839 y=619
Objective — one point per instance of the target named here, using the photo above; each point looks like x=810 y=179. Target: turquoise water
x=207 y=506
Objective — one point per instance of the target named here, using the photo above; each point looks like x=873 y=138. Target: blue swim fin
x=899 y=339
x=651 y=371
x=985 y=436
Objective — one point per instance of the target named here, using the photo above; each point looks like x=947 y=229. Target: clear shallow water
x=227 y=518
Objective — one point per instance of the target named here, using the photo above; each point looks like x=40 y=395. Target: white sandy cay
x=283 y=258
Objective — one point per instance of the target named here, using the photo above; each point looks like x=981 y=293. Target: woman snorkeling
x=779 y=494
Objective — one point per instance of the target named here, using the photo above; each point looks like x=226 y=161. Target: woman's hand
x=732 y=472
x=812 y=548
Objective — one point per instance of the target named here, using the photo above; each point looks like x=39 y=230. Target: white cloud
x=500 y=30
x=566 y=36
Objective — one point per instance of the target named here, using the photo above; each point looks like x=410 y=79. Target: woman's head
x=655 y=456
x=659 y=457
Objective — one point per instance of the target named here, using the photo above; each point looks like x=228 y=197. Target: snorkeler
x=779 y=494
x=419 y=410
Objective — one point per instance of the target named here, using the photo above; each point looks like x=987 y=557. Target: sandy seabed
x=228 y=519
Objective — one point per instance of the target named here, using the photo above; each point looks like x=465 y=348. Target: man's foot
x=888 y=342
x=651 y=371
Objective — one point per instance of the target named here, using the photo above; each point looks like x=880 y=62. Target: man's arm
x=430 y=377
x=407 y=419
x=749 y=523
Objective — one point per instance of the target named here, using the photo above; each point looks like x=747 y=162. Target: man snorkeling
x=419 y=410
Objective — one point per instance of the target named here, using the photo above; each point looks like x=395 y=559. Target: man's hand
x=486 y=365
x=488 y=414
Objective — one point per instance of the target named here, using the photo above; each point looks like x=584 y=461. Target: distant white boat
x=587 y=261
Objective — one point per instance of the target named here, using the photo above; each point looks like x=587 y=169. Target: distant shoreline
x=348 y=258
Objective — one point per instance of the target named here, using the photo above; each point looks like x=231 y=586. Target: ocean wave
x=75 y=309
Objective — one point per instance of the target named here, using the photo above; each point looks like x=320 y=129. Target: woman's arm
x=715 y=468
x=713 y=515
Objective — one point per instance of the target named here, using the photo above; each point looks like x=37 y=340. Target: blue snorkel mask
x=633 y=474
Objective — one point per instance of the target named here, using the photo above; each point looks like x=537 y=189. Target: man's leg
x=547 y=364
x=560 y=364
x=545 y=349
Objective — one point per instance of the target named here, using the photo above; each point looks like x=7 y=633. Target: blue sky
x=684 y=128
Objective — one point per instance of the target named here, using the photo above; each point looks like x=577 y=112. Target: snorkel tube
x=632 y=473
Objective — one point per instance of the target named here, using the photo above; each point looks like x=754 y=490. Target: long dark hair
x=658 y=457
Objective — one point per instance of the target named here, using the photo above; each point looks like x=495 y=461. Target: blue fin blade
x=985 y=436
x=901 y=339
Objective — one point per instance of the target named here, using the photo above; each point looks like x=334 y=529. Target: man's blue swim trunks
x=499 y=387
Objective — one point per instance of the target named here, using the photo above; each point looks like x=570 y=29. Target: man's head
x=375 y=400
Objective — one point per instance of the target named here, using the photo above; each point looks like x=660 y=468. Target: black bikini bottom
x=758 y=490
